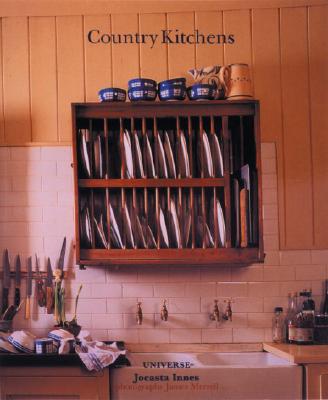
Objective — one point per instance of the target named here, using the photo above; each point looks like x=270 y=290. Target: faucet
x=228 y=311
x=215 y=316
x=164 y=312
x=139 y=313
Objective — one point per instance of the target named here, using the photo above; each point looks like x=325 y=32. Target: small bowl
x=142 y=82
x=142 y=93
x=202 y=91
x=112 y=94
x=23 y=341
x=172 y=93
x=172 y=82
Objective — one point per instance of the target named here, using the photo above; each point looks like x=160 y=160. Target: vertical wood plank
x=16 y=88
x=238 y=23
x=318 y=61
x=296 y=128
x=181 y=57
x=267 y=88
x=209 y=54
x=70 y=71
x=266 y=71
x=43 y=79
x=153 y=58
x=2 y=123
x=98 y=61
x=125 y=57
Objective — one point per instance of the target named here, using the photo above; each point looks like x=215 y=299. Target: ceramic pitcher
x=212 y=75
x=237 y=82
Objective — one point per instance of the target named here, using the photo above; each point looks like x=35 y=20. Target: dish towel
x=97 y=355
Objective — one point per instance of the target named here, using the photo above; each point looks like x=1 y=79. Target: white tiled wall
x=36 y=212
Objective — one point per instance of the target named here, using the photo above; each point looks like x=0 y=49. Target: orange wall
x=46 y=63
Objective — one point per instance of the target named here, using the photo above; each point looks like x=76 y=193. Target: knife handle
x=28 y=308
x=50 y=300
x=17 y=297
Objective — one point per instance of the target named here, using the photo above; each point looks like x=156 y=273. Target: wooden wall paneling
x=296 y=128
x=153 y=58
x=16 y=87
x=70 y=70
x=43 y=79
x=98 y=58
x=125 y=57
x=267 y=89
x=181 y=57
x=266 y=71
x=2 y=123
x=318 y=74
x=209 y=54
x=238 y=23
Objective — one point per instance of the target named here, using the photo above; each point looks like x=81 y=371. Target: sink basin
x=206 y=376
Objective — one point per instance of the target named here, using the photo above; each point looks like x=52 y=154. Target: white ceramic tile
x=107 y=321
x=25 y=153
x=295 y=257
x=217 y=335
x=248 y=335
x=232 y=289
x=278 y=273
x=169 y=290
x=268 y=150
x=58 y=153
x=310 y=272
x=137 y=290
x=185 y=336
x=104 y=290
x=154 y=336
x=200 y=289
x=260 y=320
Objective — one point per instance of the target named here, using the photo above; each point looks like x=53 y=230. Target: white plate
x=184 y=158
x=139 y=163
x=162 y=168
x=98 y=157
x=162 y=224
x=139 y=235
x=100 y=231
x=207 y=157
x=175 y=224
x=150 y=161
x=86 y=235
x=84 y=151
x=129 y=170
x=114 y=230
x=209 y=242
x=169 y=156
x=217 y=156
x=128 y=228
x=221 y=224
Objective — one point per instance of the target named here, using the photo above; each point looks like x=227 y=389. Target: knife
x=6 y=282
x=17 y=281
x=62 y=255
x=28 y=289
x=40 y=291
x=49 y=289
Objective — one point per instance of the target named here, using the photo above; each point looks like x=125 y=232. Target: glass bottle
x=305 y=320
x=291 y=318
x=278 y=326
x=325 y=304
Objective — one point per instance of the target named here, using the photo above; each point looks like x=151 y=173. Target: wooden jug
x=237 y=80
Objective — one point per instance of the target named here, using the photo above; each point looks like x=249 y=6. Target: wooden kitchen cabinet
x=316 y=381
x=167 y=182
x=50 y=383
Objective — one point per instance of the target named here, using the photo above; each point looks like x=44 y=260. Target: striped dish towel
x=97 y=355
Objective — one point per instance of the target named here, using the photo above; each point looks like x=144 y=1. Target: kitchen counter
x=309 y=354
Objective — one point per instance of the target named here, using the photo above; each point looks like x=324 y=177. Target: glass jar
x=278 y=331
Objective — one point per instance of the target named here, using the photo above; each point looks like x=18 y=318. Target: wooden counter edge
x=310 y=354
x=193 y=347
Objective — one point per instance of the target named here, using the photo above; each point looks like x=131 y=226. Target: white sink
x=206 y=376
